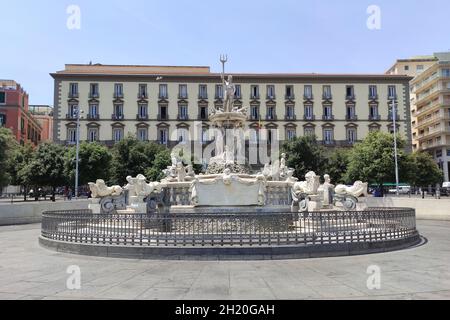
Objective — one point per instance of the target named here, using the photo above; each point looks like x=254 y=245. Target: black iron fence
x=224 y=229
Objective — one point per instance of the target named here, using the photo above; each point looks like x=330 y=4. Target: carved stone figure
x=181 y=172
x=358 y=189
x=326 y=191
x=100 y=189
x=310 y=186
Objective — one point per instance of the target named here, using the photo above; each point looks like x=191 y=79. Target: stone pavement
x=28 y=271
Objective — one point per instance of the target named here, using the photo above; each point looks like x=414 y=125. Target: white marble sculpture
x=358 y=189
x=310 y=186
x=326 y=192
x=100 y=189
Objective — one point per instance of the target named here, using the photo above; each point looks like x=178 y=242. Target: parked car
x=401 y=190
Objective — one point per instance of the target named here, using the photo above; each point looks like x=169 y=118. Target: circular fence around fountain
x=230 y=236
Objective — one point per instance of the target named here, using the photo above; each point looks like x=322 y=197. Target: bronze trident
x=223 y=59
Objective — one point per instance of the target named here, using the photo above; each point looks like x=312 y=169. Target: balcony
x=73 y=95
x=182 y=117
x=202 y=117
x=117 y=117
x=375 y=117
x=271 y=117
x=291 y=117
x=182 y=96
x=163 y=96
x=351 y=117
x=93 y=116
x=327 y=96
x=373 y=96
x=289 y=97
x=329 y=142
x=392 y=97
x=254 y=117
x=271 y=97
x=254 y=96
x=162 y=117
x=391 y=117
x=309 y=118
x=71 y=116
x=94 y=95
x=328 y=117
x=308 y=97
x=118 y=95
x=350 y=97
x=203 y=96
x=142 y=117
x=142 y=95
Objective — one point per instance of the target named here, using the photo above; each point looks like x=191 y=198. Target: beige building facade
x=168 y=104
x=430 y=105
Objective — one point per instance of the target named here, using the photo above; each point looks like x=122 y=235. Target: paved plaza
x=28 y=271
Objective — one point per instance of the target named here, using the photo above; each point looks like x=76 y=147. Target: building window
x=163 y=136
x=290 y=114
x=270 y=92
x=237 y=93
x=163 y=112
x=93 y=134
x=351 y=135
x=142 y=111
x=309 y=112
x=2 y=97
x=182 y=135
x=420 y=67
x=118 y=90
x=446 y=73
x=93 y=111
x=373 y=112
x=73 y=90
x=183 y=112
x=142 y=134
x=374 y=128
x=289 y=92
x=373 y=94
x=182 y=94
x=94 y=92
x=254 y=112
x=73 y=109
x=219 y=91
x=143 y=94
x=290 y=134
x=163 y=94
x=117 y=134
x=351 y=112
x=327 y=92
x=406 y=68
x=2 y=120
x=327 y=112
x=308 y=92
x=328 y=136
x=203 y=113
x=350 y=92
x=392 y=93
x=309 y=132
x=254 y=92
x=270 y=113
x=203 y=91
x=72 y=135
x=118 y=112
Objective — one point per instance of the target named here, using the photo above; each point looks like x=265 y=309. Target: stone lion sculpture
x=358 y=189
x=100 y=189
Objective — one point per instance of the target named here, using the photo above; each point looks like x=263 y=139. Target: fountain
x=229 y=211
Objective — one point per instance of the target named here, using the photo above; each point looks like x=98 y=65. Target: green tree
x=7 y=146
x=337 y=165
x=46 y=168
x=161 y=162
x=305 y=154
x=131 y=157
x=423 y=170
x=372 y=160
x=94 y=163
x=20 y=158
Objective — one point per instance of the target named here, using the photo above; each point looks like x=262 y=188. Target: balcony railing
x=329 y=142
x=351 y=117
x=327 y=96
x=118 y=95
x=290 y=97
x=271 y=97
x=142 y=95
x=309 y=118
x=350 y=97
x=391 y=117
x=142 y=117
x=308 y=96
x=71 y=116
x=373 y=96
x=182 y=96
x=117 y=117
x=392 y=97
x=328 y=117
x=271 y=117
x=163 y=96
x=375 y=117
x=203 y=96
x=94 y=95
x=162 y=117
x=254 y=117
x=73 y=95
x=290 y=117
x=93 y=116
x=254 y=96
x=183 y=117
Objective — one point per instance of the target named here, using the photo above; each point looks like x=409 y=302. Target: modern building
x=44 y=116
x=430 y=105
x=15 y=115
x=162 y=104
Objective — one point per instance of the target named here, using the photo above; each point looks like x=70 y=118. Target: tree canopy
x=7 y=146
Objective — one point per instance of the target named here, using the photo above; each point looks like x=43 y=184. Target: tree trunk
x=53 y=194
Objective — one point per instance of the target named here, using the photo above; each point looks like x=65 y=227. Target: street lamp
x=394 y=118
x=79 y=112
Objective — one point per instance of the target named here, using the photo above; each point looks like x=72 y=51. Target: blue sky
x=323 y=36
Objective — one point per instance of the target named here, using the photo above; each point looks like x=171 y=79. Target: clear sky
x=323 y=36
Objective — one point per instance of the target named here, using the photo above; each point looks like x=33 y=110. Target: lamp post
x=79 y=113
x=394 y=118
